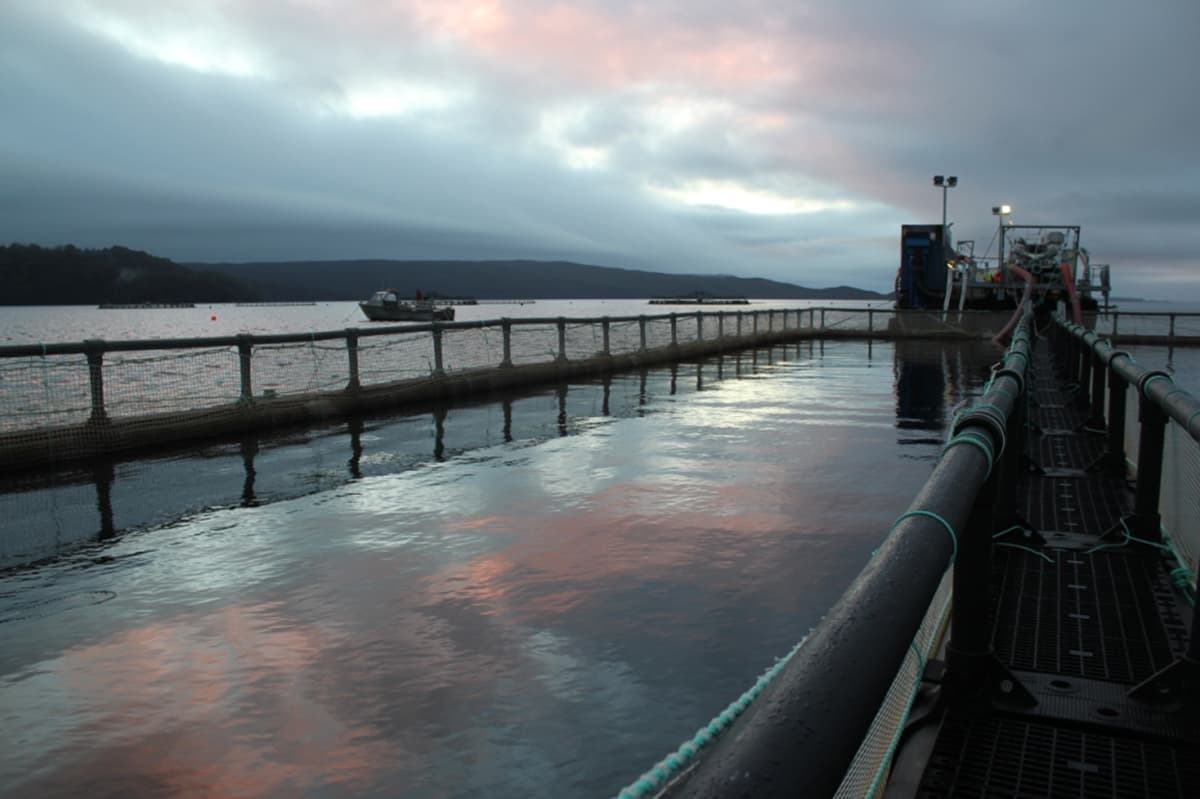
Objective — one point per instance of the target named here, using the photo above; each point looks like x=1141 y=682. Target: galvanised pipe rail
x=800 y=735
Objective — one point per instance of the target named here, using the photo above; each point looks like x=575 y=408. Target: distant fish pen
x=68 y=401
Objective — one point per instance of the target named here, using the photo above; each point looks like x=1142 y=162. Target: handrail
x=801 y=734
x=1175 y=402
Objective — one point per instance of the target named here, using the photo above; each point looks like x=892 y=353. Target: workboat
x=385 y=305
x=1044 y=263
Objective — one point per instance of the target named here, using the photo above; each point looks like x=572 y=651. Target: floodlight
x=952 y=181
x=938 y=180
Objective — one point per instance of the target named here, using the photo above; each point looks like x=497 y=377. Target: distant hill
x=535 y=280
x=68 y=275
x=33 y=275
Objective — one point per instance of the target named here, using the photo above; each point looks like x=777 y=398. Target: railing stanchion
x=604 y=325
x=95 y=362
x=438 y=366
x=1146 y=521
x=353 y=384
x=562 y=339
x=699 y=325
x=642 y=333
x=1095 y=422
x=506 y=335
x=674 y=330
x=245 y=347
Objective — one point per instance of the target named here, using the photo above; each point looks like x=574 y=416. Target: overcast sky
x=774 y=138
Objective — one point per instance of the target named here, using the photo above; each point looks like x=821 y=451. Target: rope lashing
x=1188 y=424
x=932 y=515
x=667 y=769
x=975 y=439
x=1150 y=377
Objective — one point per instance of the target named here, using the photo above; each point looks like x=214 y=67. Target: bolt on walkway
x=1090 y=635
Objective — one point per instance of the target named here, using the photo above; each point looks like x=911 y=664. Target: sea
x=533 y=595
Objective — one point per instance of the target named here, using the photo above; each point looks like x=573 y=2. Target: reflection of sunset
x=215 y=707
x=500 y=624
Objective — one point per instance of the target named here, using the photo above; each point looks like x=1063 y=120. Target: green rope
x=667 y=769
x=978 y=440
x=1008 y=530
x=1181 y=577
x=1152 y=378
x=932 y=515
x=1130 y=538
x=895 y=742
x=1030 y=550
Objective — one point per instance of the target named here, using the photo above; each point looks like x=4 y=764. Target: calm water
x=29 y=325
x=532 y=597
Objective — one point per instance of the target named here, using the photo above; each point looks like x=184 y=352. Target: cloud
x=777 y=139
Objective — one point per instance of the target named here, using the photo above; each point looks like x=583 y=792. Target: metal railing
x=1143 y=414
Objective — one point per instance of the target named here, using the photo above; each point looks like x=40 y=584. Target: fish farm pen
x=1025 y=629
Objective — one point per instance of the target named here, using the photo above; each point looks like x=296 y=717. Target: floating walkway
x=1025 y=630
x=1089 y=618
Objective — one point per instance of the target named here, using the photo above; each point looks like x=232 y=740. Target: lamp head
x=952 y=181
x=938 y=180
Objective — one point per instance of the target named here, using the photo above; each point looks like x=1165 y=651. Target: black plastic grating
x=1067 y=452
x=986 y=756
x=1088 y=505
x=1090 y=615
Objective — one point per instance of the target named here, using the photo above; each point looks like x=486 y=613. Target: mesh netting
x=1179 y=499
x=866 y=776
x=75 y=404
x=1116 y=324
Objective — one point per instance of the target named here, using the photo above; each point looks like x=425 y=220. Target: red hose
x=1069 y=280
x=1028 y=278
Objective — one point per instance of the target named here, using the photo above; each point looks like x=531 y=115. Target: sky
x=786 y=139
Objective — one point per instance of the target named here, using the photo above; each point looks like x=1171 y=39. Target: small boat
x=385 y=305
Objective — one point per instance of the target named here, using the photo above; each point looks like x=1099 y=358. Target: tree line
x=69 y=275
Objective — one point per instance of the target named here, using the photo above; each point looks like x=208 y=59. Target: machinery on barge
x=1044 y=262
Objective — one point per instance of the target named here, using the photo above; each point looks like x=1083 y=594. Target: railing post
x=642 y=332
x=245 y=345
x=562 y=339
x=811 y=320
x=1095 y=421
x=352 y=355
x=699 y=325
x=822 y=320
x=604 y=324
x=438 y=366
x=1146 y=522
x=754 y=323
x=739 y=324
x=95 y=362
x=674 y=326
x=721 y=327
x=871 y=321
x=506 y=335
x=1116 y=316
x=1112 y=462
x=1084 y=377
x=771 y=321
